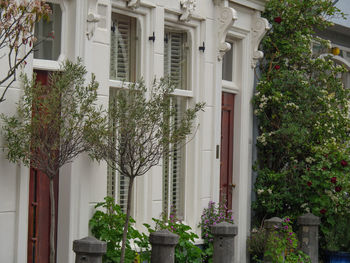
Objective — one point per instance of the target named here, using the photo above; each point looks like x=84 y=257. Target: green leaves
x=55 y=122
x=282 y=245
x=303 y=117
x=142 y=127
x=107 y=224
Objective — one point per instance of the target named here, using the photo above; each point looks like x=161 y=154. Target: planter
x=338 y=257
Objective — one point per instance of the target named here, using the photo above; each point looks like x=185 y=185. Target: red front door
x=226 y=156
x=39 y=208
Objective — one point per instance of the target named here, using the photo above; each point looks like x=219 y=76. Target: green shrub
x=107 y=225
x=282 y=246
x=256 y=244
x=303 y=119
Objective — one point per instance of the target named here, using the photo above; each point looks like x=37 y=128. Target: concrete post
x=163 y=246
x=271 y=225
x=308 y=235
x=89 y=250
x=224 y=234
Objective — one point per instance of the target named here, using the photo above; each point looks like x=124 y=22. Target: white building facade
x=211 y=48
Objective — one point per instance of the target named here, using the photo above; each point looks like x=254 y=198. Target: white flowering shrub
x=302 y=108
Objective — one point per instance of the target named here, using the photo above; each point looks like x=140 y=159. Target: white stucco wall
x=83 y=183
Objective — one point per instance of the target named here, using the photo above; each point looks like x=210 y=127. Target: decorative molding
x=134 y=3
x=188 y=7
x=252 y=4
x=260 y=26
x=218 y=2
x=92 y=20
x=227 y=17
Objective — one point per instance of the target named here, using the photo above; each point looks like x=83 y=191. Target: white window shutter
x=177 y=165
x=123 y=192
x=175 y=58
x=175 y=66
x=117 y=185
x=121 y=45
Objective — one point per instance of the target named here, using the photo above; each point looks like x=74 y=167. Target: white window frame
x=142 y=15
x=54 y=65
x=186 y=95
x=132 y=57
x=233 y=86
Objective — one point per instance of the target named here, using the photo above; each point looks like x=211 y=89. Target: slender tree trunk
x=52 y=223
x=126 y=225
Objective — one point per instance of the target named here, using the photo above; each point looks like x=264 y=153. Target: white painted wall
x=83 y=183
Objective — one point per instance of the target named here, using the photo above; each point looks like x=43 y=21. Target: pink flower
x=277 y=67
x=309 y=183
x=324 y=168
x=344 y=163
x=334 y=180
x=323 y=211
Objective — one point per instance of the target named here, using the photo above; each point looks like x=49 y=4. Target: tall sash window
x=175 y=67
x=123 y=50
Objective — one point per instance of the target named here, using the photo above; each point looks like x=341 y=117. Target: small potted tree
x=144 y=128
x=52 y=123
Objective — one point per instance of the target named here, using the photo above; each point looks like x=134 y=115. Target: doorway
x=39 y=207
x=226 y=155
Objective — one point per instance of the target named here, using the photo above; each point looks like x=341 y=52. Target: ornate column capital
x=133 y=3
x=260 y=26
x=188 y=7
x=227 y=16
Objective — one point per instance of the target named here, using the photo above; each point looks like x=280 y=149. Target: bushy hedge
x=302 y=108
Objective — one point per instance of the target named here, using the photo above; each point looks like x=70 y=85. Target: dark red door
x=39 y=208
x=226 y=156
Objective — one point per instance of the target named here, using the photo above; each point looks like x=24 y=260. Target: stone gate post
x=89 y=249
x=163 y=246
x=224 y=234
x=308 y=235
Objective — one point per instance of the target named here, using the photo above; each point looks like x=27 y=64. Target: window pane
x=48 y=34
x=175 y=57
x=174 y=168
x=117 y=185
x=123 y=48
x=227 y=64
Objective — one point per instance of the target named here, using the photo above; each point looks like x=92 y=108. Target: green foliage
x=144 y=122
x=143 y=130
x=303 y=113
x=53 y=123
x=54 y=120
x=107 y=225
x=186 y=251
x=211 y=216
x=282 y=246
x=256 y=244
